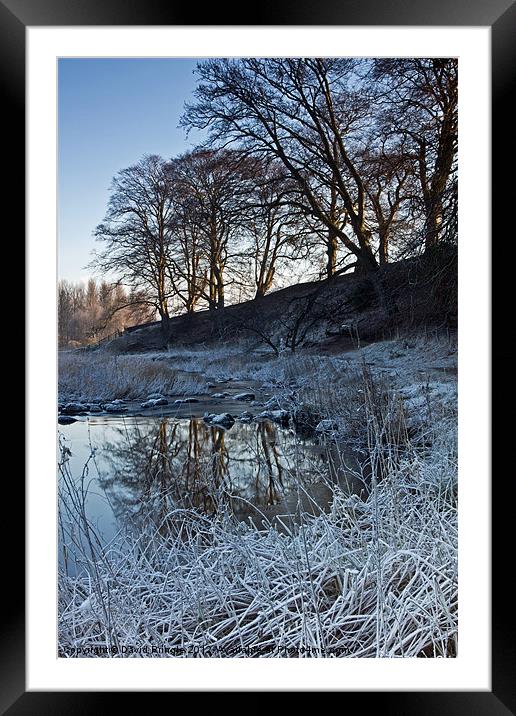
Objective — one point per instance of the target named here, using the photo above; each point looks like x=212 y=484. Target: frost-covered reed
x=373 y=578
x=92 y=376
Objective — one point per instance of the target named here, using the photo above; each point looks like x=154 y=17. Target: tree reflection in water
x=153 y=468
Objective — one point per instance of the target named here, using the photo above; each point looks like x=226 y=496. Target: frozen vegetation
x=94 y=376
x=102 y=376
x=374 y=577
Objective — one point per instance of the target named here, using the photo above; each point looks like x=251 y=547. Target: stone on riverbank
x=223 y=420
x=276 y=416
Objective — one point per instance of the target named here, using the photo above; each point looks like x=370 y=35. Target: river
x=140 y=468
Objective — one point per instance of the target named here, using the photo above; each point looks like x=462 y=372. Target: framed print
x=254 y=251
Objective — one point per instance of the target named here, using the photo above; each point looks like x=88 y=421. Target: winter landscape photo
x=257 y=357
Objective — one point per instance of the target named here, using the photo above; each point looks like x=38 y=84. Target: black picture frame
x=15 y=16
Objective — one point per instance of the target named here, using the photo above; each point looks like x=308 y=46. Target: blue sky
x=111 y=112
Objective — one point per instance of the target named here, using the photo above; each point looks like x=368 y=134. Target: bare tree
x=389 y=176
x=305 y=112
x=87 y=315
x=136 y=232
x=277 y=230
x=65 y=312
x=217 y=184
x=421 y=104
x=295 y=317
x=187 y=267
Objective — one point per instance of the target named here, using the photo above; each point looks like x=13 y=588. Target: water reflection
x=151 y=468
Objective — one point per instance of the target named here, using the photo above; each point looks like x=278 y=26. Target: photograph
x=257 y=340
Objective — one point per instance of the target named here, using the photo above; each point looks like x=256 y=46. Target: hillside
x=402 y=298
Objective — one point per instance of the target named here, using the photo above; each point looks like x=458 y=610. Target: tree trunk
x=442 y=169
x=384 y=246
x=218 y=287
x=212 y=302
x=220 y=292
x=264 y=282
x=366 y=262
x=434 y=219
x=331 y=241
x=331 y=252
x=165 y=327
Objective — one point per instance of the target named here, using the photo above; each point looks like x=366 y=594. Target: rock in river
x=244 y=396
x=115 y=407
x=180 y=401
x=95 y=408
x=73 y=408
x=66 y=420
x=153 y=402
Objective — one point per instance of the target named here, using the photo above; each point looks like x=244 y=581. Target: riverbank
x=421 y=373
